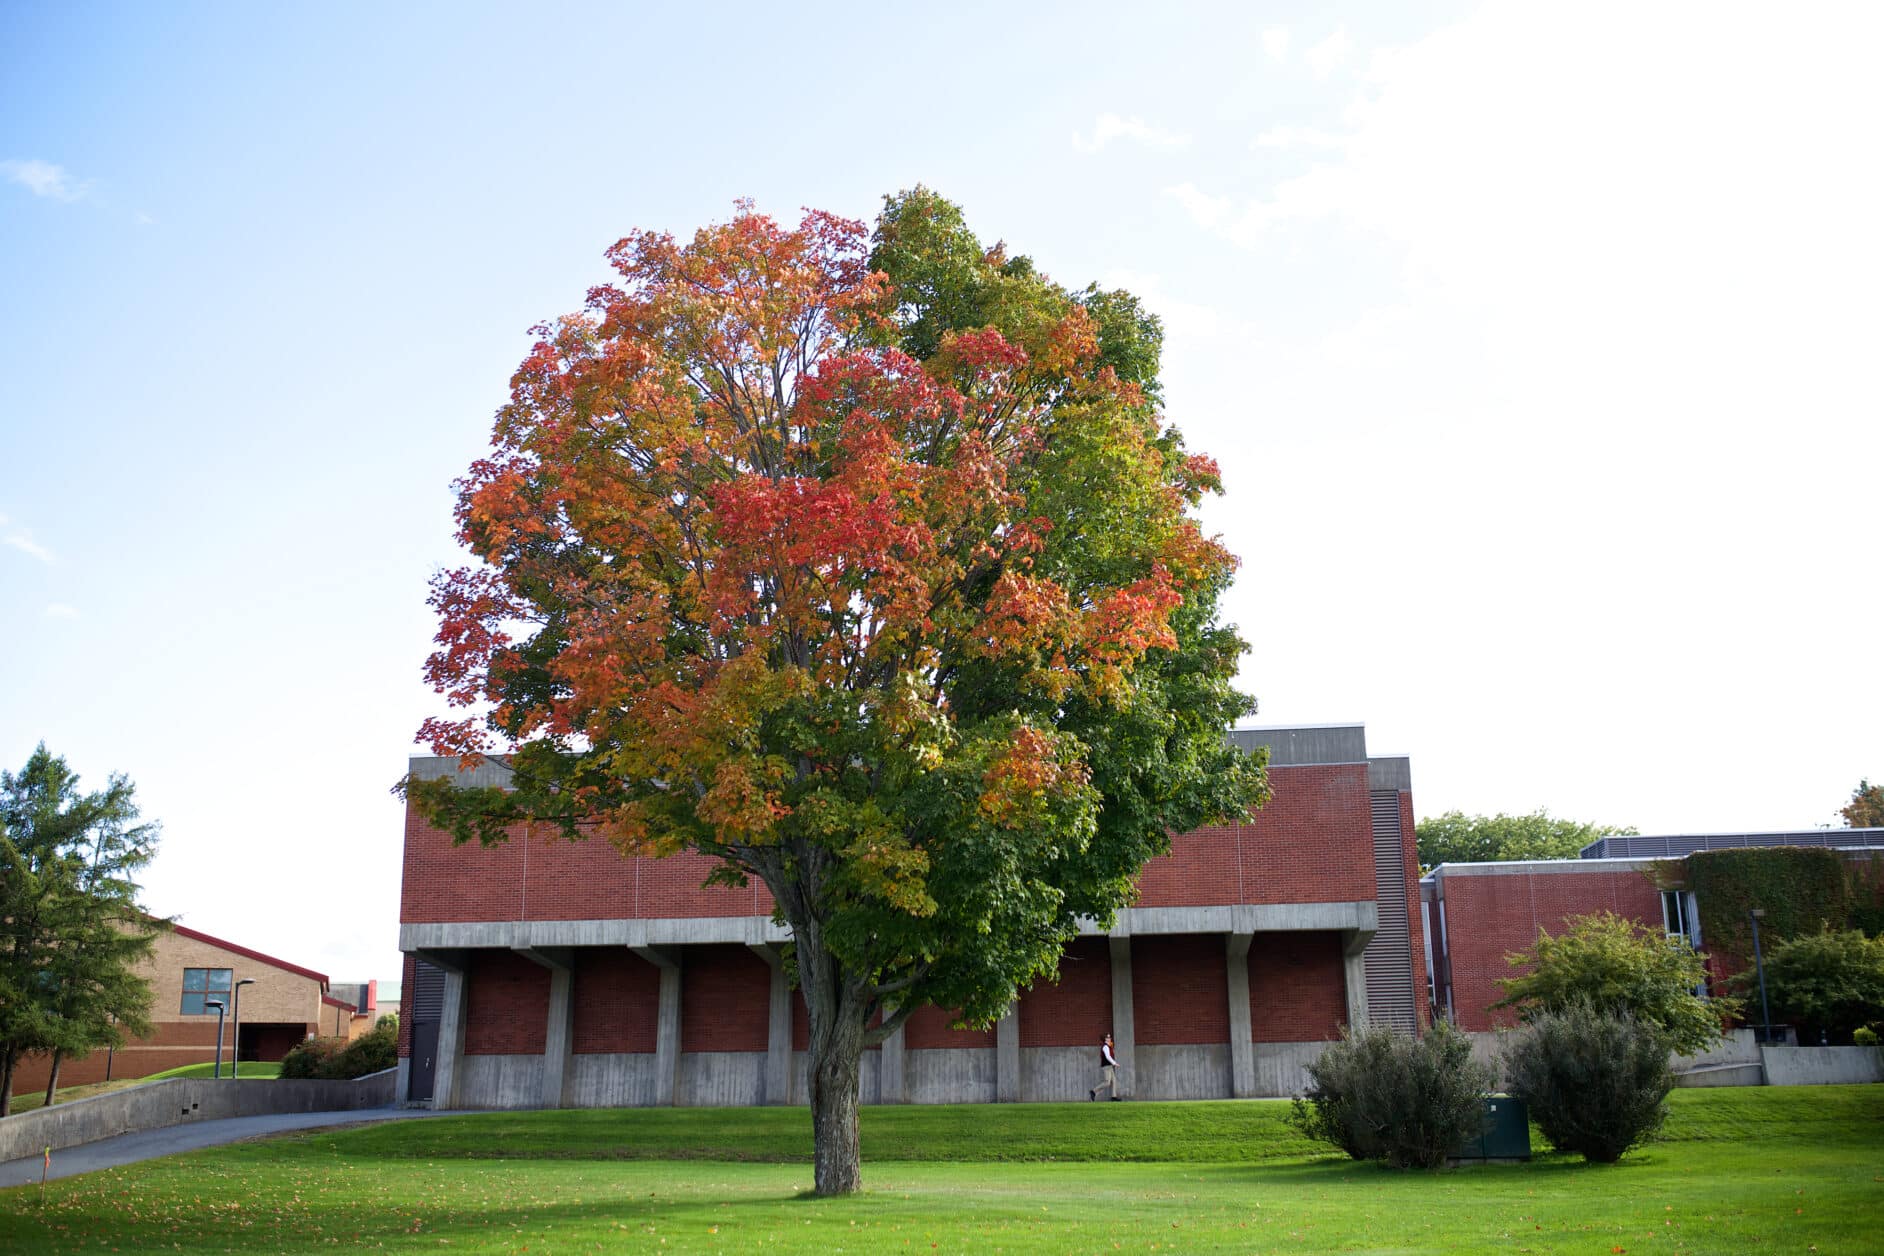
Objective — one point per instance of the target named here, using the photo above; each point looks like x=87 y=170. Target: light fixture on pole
x=235 y=1053
x=217 y=1004
x=1766 y=1016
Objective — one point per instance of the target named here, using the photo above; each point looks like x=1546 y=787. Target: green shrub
x=1865 y=1036
x=336 y=1059
x=1595 y=1081
x=1618 y=965
x=1384 y=1095
x=372 y=1051
x=310 y=1057
x=1830 y=980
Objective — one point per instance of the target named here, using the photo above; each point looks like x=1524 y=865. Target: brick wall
x=725 y=999
x=929 y=1027
x=1180 y=989
x=1297 y=987
x=1077 y=1011
x=1488 y=917
x=506 y=1004
x=617 y=997
x=1312 y=844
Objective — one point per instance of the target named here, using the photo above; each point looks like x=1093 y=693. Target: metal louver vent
x=1389 y=957
x=428 y=992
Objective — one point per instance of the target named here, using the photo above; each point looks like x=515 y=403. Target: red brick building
x=1478 y=913
x=548 y=973
x=188 y=970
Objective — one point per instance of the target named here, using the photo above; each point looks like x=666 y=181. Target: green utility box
x=1507 y=1136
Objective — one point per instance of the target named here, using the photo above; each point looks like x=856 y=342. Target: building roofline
x=251 y=952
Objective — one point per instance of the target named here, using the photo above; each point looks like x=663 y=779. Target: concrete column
x=559 y=1034
x=1242 y=1046
x=1354 y=966
x=667 y=1025
x=1124 y=1038
x=450 y=1042
x=1007 y=1073
x=892 y=1081
x=778 y=1038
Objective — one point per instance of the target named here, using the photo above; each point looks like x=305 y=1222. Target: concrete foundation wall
x=611 y=1081
x=1822 y=1066
x=950 y=1074
x=1282 y=1067
x=1057 y=1074
x=721 y=1079
x=500 y=1081
x=181 y=1101
x=1187 y=1071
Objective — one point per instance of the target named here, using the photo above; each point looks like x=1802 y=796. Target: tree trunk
x=52 y=1078
x=7 y=1058
x=836 y=1066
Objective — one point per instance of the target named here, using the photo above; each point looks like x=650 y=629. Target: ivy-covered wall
x=1802 y=889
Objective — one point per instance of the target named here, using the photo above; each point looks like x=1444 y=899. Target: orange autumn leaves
x=725 y=518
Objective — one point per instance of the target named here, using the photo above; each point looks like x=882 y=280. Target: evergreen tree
x=71 y=932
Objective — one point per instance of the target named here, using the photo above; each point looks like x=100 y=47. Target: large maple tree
x=866 y=564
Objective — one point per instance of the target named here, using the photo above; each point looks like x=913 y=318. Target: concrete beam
x=664 y=958
x=1007 y=1066
x=1354 y=970
x=556 y=959
x=1240 y=918
x=892 y=1079
x=451 y=961
x=778 y=1035
x=451 y=1021
x=559 y=1037
x=666 y=1024
x=1242 y=1044
x=1124 y=1035
x=668 y=931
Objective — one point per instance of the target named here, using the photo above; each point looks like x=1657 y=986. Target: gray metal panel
x=1674 y=845
x=1393 y=772
x=1313 y=743
x=1389 y=956
x=432 y=767
x=428 y=992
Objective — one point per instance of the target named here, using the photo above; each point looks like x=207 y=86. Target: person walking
x=1108 y=1070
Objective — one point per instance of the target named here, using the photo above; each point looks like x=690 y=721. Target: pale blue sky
x=1538 y=346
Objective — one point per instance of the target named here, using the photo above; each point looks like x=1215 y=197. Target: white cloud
x=1110 y=126
x=59 y=610
x=1288 y=136
x=1206 y=210
x=143 y=219
x=26 y=545
x=42 y=178
x=1276 y=42
x=1325 y=57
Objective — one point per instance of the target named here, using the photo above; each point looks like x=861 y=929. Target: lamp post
x=217 y=1004
x=235 y=1054
x=1759 y=964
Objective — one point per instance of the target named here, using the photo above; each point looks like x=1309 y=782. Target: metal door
x=424 y=1060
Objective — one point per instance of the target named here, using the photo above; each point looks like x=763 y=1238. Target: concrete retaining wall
x=1822 y=1066
x=180 y=1101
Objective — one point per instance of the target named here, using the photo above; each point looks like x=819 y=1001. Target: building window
x=1675 y=914
x=200 y=985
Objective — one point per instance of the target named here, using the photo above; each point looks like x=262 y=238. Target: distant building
x=1478 y=913
x=188 y=970
x=366 y=1002
x=546 y=973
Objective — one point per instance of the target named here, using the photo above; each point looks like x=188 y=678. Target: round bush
x=1387 y=1096
x=1595 y=1082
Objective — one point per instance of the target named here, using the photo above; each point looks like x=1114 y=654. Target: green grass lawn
x=1741 y=1170
x=66 y=1094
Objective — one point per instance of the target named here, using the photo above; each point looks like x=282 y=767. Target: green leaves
x=1613 y=964
x=1455 y=837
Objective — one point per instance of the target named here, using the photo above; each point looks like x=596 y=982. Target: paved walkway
x=108 y=1153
